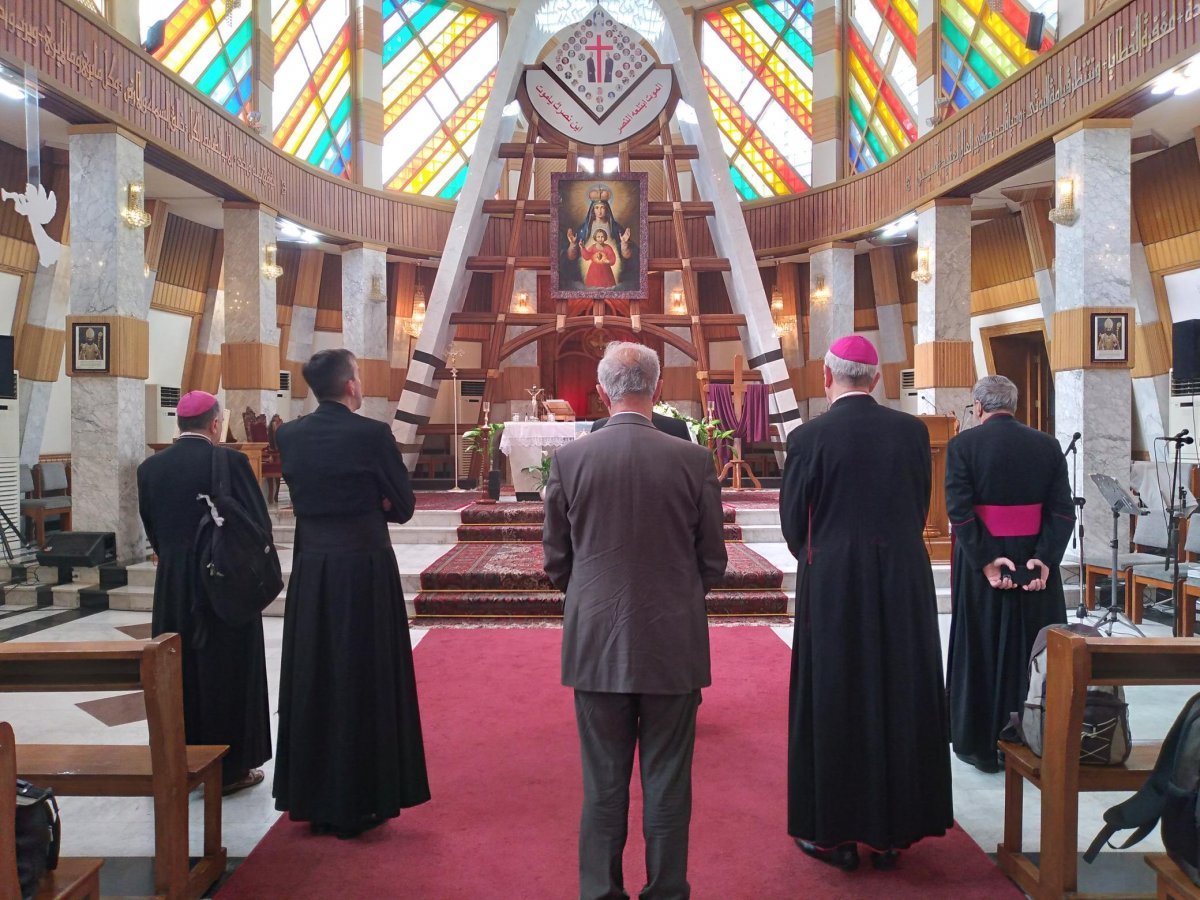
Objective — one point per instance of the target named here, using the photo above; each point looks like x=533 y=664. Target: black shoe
x=990 y=765
x=366 y=824
x=843 y=856
x=885 y=861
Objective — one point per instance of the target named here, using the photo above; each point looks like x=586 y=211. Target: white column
x=943 y=358
x=928 y=90
x=48 y=304
x=830 y=270
x=368 y=102
x=1093 y=274
x=364 y=324
x=1151 y=378
x=250 y=353
x=108 y=410
x=828 y=152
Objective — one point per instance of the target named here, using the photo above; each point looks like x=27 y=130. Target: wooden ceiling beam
x=643 y=152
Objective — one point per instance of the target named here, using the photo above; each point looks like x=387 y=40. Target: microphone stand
x=1081 y=612
x=1177 y=510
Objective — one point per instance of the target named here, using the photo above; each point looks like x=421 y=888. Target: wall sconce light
x=784 y=325
x=376 y=293
x=417 y=320
x=134 y=214
x=922 y=274
x=521 y=304
x=1064 y=212
x=678 y=305
x=820 y=294
x=145 y=270
x=776 y=300
x=270 y=267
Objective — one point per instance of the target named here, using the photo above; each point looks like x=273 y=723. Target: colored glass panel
x=757 y=60
x=312 y=95
x=207 y=43
x=881 y=47
x=983 y=43
x=439 y=64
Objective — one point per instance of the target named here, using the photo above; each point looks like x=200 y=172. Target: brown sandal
x=249 y=780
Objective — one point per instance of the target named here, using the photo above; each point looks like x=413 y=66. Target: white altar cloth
x=523 y=443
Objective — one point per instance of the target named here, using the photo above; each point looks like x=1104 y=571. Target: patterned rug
x=750 y=499
x=520 y=533
x=507 y=579
x=533 y=512
x=446 y=500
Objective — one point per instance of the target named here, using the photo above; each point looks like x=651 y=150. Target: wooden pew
x=1074 y=662
x=1173 y=883
x=165 y=769
x=73 y=879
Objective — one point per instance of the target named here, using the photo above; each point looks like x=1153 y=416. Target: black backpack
x=239 y=566
x=1170 y=793
x=38 y=836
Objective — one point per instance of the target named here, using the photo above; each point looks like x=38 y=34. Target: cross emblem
x=599 y=47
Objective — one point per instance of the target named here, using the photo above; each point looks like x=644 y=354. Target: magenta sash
x=1011 y=521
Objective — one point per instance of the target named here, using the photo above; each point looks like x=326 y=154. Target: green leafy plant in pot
x=541 y=473
x=484 y=441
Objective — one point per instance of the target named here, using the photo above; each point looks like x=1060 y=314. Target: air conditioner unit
x=1185 y=413
x=470 y=395
x=285 y=389
x=162 y=427
x=908 y=394
x=10 y=462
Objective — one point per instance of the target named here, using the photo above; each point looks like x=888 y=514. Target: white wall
x=326 y=340
x=57 y=437
x=1183 y=294
x=1005 y=317
x=169 y=334
x=10 y=287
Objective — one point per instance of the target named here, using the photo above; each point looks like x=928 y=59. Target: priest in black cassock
x=224 y=667
x=350 y=749
x=1009 y=502
x=867 y=755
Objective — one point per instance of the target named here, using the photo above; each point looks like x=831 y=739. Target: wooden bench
x=1173 y=883
x=73 y=879
x=1074 y=662
x=165 y=769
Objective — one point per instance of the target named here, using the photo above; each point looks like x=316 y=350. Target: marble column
x=204 y=374
x=40 y=355
x=1152 y=353
x=830 y=272
x=943 y=358
x=828 y=151
x=1039 y=236
x=250 y=353
x=677 y=367
x=928 y=90
x=893 y=349
x=364 y=324
x=262 y=88
x=108 y=409
x=1093 y=277
x=368 y=100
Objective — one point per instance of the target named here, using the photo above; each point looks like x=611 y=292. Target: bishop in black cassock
x=867 y=754
x=1008 y=498
x=351 y=754
x=224 y=667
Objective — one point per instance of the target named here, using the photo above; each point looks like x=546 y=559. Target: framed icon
x=91 y=346
x=1110 y=337
x=600 y=235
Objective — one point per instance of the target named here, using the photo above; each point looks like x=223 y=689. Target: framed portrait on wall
x=90 y=346
x=1110 y=337
x=599 y=242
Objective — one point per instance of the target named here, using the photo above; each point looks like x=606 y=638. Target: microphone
x=1181 y=438
x=1071 y=446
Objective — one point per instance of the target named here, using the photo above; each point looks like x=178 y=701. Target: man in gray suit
x=633 y=537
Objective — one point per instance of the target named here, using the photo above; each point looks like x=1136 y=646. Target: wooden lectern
x=937 y=523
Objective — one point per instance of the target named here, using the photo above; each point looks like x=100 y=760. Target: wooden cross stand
x=736 y=464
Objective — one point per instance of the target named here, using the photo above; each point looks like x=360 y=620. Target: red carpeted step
x=549 y=604
x=751 y=499
x=519 y=567
x=528 y=513
x=446 y=500
x=533 y=533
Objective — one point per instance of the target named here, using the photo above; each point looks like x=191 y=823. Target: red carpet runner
x=446 y=500
x=504 y=770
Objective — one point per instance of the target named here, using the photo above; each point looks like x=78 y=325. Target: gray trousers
x=610 y=726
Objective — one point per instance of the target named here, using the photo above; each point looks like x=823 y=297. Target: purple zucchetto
x=194 y=403
x=857 y=349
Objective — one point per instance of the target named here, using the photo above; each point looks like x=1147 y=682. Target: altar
x=524 y=442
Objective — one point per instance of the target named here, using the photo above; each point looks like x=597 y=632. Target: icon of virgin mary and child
x=600 y=250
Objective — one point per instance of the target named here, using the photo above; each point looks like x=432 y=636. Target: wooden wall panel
x=999 y=253
x=287 y=257
x=186 y=255
x=39 y=353
x=128 y=350
x=944 y=364
x=1165 y=193
x=310 y=271
x=864 y=284
x=250 y=367
x=376 y=376
x=1176 y=253
x=330 y=296
x=1071 y=347
x=1152 y=351
x=679 y=383
x=514 y=380
x=1004 y=296
x=328 y=320
x=891 y=380
x=17 y=255
x=205 y=374
x=396 y=388
x=172 y=298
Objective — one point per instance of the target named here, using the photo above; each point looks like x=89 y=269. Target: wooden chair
x=165 y=769
x=73 y=879
x=1173 y=883
x=1074 y=662
x=46 y=494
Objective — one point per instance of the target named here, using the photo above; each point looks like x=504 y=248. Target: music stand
x=1120 y=502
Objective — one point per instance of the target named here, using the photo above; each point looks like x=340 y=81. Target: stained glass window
x=881 y=79
x=757 y=59
x=312 y=100
x=439 y=63
x=207 y=43
x=984 y=42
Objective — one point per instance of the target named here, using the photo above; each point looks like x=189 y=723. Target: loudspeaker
x=78 y=548
x=1033 y=37
x=8 y=373
x=1185 y=353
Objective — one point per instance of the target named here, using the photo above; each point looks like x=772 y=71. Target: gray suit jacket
x=633 y=536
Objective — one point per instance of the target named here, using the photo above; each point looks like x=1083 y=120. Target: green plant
x=541 y=472
x=484 y=440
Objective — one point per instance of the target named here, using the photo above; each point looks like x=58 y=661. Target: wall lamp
x=134 y=214
x=678 y=305
x=521 y=304
x=270 y=267
x=922 y=274
x=376 y=293
x=1064 y=212
x=820 y=294
x=417 y=320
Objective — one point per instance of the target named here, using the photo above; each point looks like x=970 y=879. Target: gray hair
x=995 y=392
x=626 y=369
x=847 y=372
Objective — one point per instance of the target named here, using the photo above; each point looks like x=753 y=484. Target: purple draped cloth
x=752 y=426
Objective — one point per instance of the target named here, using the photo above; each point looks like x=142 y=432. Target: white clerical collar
x=850 y=394
x=195 y=434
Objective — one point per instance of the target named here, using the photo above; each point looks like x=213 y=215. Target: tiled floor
x=123 y=827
